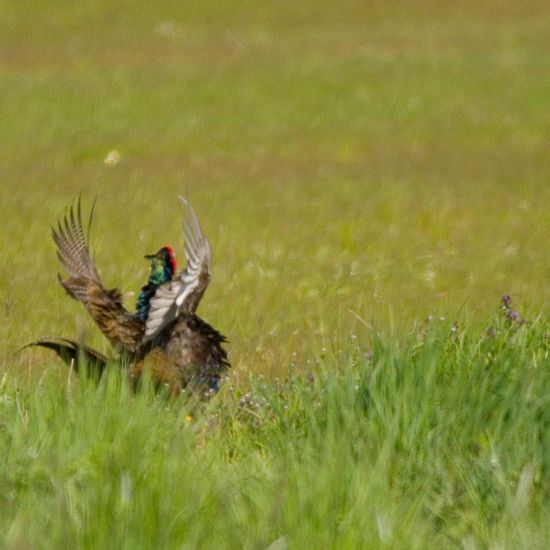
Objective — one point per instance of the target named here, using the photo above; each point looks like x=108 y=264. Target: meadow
x=373 y=178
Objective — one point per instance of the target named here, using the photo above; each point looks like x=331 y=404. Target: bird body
x=164 y=336
x=188 y=354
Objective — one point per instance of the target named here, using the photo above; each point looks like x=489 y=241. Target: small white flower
x=113 y=158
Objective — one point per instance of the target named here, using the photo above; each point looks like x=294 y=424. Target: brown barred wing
x=83 y=283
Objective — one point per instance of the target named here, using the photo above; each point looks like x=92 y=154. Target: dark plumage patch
x=75 y=355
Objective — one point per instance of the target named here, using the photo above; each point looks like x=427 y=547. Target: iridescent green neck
x=158 y=274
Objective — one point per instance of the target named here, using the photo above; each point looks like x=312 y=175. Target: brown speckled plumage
x=123 y=329
x=177 y=348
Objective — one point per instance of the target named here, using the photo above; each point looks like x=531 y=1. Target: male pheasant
x=164 y=336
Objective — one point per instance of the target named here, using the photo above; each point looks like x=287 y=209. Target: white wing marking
x=182 y=294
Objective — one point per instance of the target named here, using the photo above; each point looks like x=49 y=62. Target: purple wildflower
x=513 y=315
x=507 y=301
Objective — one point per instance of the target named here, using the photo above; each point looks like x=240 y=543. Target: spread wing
x=74 y=254
x=83 y=282
x=184 y=293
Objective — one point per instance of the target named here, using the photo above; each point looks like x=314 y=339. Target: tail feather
x=74 y=354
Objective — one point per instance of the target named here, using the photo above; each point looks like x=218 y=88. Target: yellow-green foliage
x=441 y=442
x=354 y=165
x=388 y=159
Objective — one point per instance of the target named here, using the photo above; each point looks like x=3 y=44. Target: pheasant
x=164 y=336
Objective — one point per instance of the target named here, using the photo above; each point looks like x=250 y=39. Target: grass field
x=359 y=168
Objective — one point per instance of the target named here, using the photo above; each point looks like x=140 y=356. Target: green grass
x=354 y=165
x=442 y=441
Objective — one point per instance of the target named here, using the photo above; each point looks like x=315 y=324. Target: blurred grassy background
x=388 y=158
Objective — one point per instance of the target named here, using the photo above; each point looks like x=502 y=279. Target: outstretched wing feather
x=184 y=293
x=72 y=246
x=84 y=284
